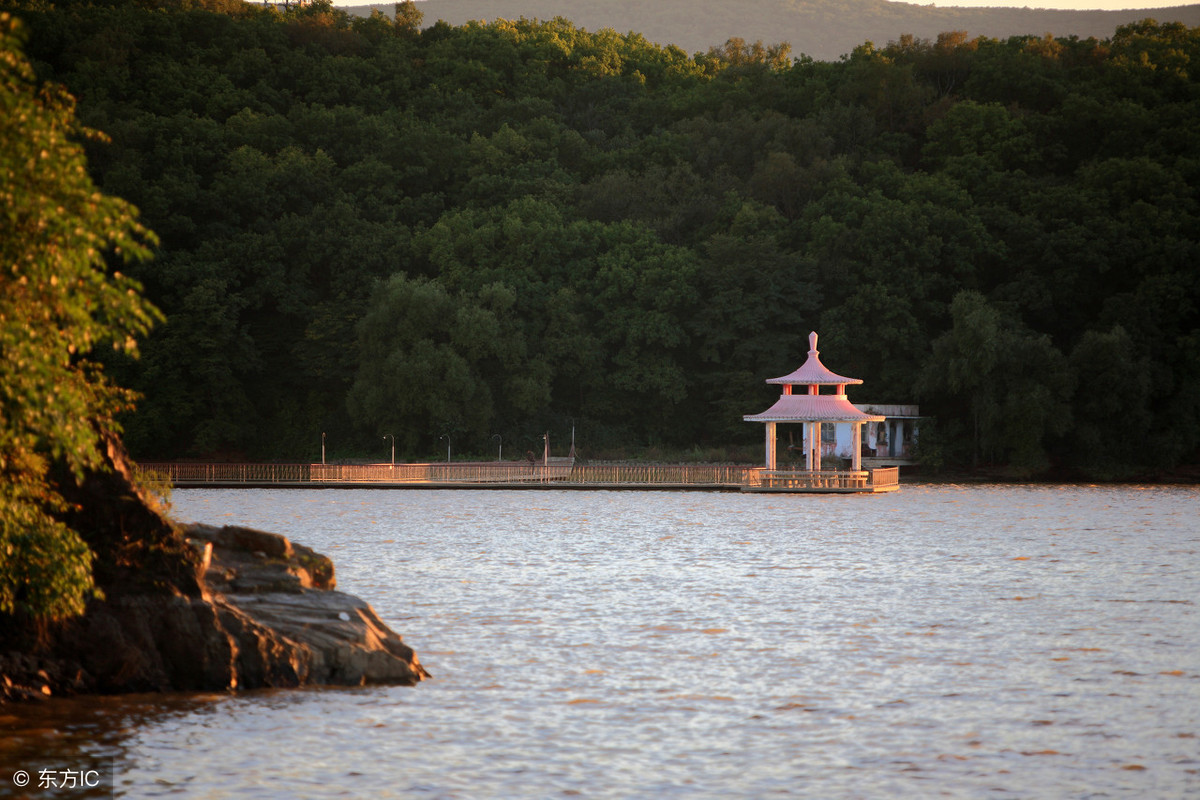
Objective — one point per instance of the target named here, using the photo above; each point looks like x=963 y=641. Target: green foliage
x=1014 y=382
x=58 y=302
x=432 y=363
x=370 y=228
x=1113 y=430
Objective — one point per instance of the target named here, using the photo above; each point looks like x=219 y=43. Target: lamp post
x=446 y=436
x=500 y=446
x=322 y=448
x=386 y=436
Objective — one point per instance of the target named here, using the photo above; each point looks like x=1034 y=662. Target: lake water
x=942 y=641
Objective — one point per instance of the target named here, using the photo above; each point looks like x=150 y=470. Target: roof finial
x=812 y=342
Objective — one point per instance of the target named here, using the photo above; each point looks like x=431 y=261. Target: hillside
x=822 y=29
x=369 y=233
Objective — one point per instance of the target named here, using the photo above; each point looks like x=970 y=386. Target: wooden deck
x=558 y=474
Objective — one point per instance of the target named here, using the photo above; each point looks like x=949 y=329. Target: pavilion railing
x=806 y=479
x=880 y=479
x=883 y=477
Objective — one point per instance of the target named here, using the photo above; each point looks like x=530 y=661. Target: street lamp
x=446 y=436
x=393 y=438
x=500 y=447
x=322 y=448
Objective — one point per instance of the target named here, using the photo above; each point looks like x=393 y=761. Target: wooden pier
x=522 y=475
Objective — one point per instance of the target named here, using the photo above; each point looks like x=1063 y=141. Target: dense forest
x=367 y=228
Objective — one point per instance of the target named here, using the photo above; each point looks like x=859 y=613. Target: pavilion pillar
x=806 y=434
x=816 y=446
x=772 y=444
x=856 y=446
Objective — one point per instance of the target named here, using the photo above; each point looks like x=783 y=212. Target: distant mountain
x=822 y=29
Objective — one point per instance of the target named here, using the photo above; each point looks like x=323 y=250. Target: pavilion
x=812 y=409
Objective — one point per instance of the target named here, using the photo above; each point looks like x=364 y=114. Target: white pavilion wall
x=899 y=438
x=841 y=445
x=843 y=441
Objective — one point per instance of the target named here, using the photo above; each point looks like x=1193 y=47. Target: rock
x=197 y=607
x=258 y=623
x=244 y=560
x=349 y=644
x=293 y=596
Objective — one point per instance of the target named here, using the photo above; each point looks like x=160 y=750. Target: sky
x=1078 y=5
x=1073 y=5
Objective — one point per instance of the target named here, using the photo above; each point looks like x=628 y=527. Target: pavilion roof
x=813 y=408
x=812 y=372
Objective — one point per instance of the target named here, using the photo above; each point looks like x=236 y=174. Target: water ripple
x=942 y=640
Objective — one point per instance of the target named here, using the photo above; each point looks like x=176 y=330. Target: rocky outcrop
x=267 y=616
x=289 y=589
x=199 y=607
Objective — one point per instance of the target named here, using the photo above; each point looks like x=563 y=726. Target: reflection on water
x=983 y=641
x=68 y=746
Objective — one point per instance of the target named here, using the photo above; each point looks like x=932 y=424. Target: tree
x=1113 y=430
x=1015 y=386
x=408 y=18
x=58 y=302
x=432 y=362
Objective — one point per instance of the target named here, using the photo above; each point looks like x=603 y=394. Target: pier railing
x=188 y=473
x=560 y=472
x=184 y=474
x=714 y=475
x=435 y=472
